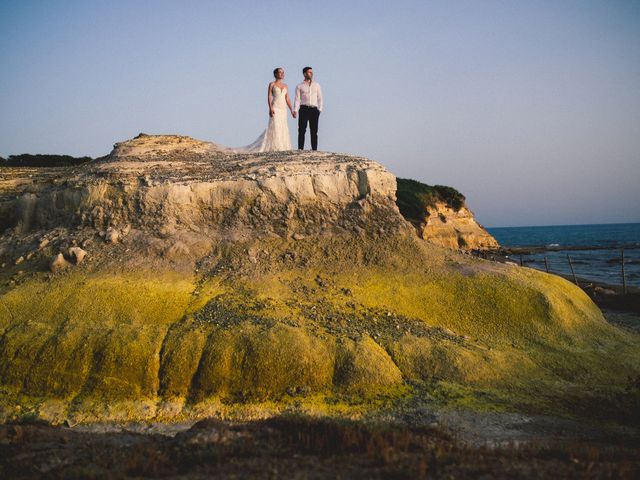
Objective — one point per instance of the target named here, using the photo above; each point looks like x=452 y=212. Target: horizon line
x=567 y=225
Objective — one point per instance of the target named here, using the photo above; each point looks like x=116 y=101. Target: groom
x=309 y=104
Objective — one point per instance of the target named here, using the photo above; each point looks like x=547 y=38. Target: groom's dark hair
x=304 y=70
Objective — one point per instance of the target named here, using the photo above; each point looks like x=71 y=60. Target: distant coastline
x=563 y=225
x=595 y=250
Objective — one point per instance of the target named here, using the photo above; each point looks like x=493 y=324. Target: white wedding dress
x=276 y=137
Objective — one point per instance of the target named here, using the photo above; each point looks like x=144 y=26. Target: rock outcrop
x=456 y=229
x=440 y=215
x=151 y=147
x=174 y=279
x=164 y=182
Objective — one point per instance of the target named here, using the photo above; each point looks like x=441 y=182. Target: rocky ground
x=175 y=281
x=295 y=447
x=627 y=320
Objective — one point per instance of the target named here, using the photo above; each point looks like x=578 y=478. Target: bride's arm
x=270 y=98
x=286 y=97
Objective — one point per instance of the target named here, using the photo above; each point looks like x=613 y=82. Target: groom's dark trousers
x=308 y=115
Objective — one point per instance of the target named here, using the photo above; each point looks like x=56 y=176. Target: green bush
x=29 y=160
x=413 y=198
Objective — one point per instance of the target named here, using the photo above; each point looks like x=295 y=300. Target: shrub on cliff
x=413 y=198
x=29 y=160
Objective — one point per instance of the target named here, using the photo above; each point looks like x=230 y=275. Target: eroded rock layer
x=457 y=229
x=167 y=182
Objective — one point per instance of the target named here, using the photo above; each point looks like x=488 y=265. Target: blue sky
x=530 y=108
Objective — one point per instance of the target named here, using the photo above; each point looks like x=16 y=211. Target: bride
x=276 y=136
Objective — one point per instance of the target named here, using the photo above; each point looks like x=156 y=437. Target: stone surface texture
x=167 y=182
x=455 y=229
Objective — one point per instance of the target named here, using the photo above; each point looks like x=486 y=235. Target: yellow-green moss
x=180 y=357
x=527 y=335
x=427 y=359
x=249 y=362
x=364 y=367
x=348 y=318
x=89 y=335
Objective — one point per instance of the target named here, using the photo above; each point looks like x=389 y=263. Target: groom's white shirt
x=310 y=95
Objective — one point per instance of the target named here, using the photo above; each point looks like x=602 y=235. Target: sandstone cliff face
x=165 y=182
x=455 y=229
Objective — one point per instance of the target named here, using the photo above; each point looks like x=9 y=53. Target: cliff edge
x=440 y=216
x=162 y=183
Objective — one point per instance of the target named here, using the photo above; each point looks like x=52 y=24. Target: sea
x=595 y=250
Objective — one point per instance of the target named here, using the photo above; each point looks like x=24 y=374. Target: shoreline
x=608 y=297
x=530 y=249
x=618 y=308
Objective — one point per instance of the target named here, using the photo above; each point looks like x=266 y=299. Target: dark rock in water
x=604 y=291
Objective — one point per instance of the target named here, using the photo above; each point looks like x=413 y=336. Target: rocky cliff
x=174 y=279
x=440 y=216
x=446 y=226
x=163 y=183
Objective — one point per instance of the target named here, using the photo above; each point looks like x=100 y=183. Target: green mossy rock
x=252 y=362
x=320 y=321
x=363 y=367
